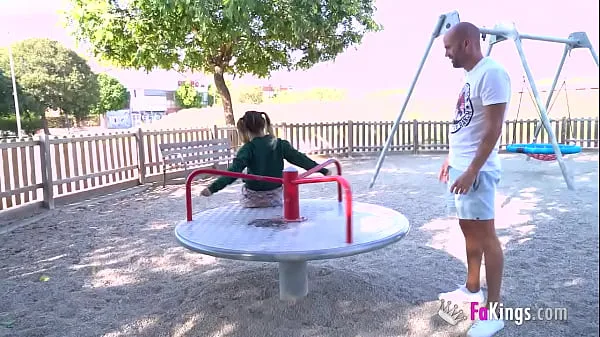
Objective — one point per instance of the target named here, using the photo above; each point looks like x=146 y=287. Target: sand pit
x=113 y=268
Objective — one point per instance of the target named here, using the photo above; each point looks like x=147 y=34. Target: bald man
x=472 y=168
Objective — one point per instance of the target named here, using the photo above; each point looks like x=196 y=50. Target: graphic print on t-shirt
x=464 y=110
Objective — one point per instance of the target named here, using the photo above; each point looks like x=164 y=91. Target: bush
x=187 y=97
x=311 y=95
x=29 y=124
x=250 y=95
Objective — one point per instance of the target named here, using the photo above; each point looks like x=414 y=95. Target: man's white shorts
x=479 y=202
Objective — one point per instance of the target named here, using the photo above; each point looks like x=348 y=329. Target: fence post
x=563 y=129
x=596 y=132
x=415 y=136
x=350 y=138
x=215 y=132
x=141 y=157
x=233 y=137
x=46 y=162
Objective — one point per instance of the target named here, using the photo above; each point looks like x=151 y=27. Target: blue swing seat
x=542 y=148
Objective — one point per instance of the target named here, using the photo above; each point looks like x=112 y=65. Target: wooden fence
x=53 y=170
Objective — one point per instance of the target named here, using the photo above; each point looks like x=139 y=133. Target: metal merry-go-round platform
x=300 y=231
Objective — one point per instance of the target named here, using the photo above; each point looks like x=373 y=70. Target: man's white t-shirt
x=486 y=84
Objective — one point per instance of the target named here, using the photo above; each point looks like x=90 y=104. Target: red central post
x=291 y=196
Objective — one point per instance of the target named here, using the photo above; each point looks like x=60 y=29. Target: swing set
x=543 y=152
x=501 y=32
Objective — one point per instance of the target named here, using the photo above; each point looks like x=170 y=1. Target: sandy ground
x=113 y=268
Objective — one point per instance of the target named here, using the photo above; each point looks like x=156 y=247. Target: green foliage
x=187 y=96
x=113 y=95
x=55 y=76
x=6 y=105
x=221 y=36
x=311 y=95
x=260 y=35
x=250 y=94
x=27 y=103
x=30 y=123
x=212 y=95
x=212 y=98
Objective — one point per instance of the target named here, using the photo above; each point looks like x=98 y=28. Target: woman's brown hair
x=254 y=123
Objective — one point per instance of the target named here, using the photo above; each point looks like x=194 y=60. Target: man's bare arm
x=494 y=116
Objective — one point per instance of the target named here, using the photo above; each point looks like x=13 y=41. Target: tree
x=55 y=76
x=187 y=96
x=6 y=99
x=213 y=93
x=29 y=108
x=113 y=95
x=27 y=103
x=221 y=36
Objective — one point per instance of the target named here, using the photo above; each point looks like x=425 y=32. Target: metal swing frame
x=499 y=33
x=569 y=126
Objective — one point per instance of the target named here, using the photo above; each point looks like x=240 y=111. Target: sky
x=388 y=59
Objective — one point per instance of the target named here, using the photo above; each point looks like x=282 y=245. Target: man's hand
x=463 y=184
x=443 y=176
x=206 y=192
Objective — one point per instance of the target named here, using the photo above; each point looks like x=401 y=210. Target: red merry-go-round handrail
x=195 y=173
x=290 y=184
x=342 y=184
x=317 y=168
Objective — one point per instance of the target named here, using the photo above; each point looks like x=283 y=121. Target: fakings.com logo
x=451 y=314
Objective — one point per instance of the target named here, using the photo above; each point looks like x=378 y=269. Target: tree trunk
x=67 y=121
x=45 y=124
x=225 y=96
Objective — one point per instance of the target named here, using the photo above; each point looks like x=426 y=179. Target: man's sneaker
x=485 y=328
x=462 y=295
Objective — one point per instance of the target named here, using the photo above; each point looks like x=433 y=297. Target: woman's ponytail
x=269 y=127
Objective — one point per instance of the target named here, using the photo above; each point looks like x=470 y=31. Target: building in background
x=152 y=95
x=270 y=91
x=119 y=119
